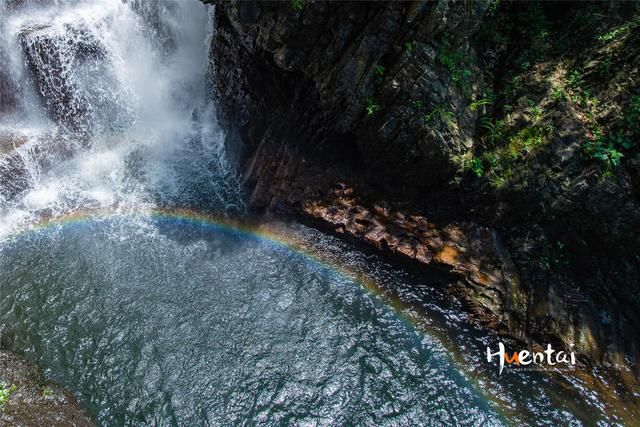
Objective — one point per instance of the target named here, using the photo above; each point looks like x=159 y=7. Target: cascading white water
x=105 y=105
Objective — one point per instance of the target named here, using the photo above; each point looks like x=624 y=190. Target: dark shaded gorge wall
x=352 y=82
x=379 y=95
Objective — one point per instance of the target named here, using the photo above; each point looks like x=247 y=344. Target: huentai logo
x=548 y=357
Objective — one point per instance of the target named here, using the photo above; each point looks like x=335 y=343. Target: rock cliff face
x=354 y=81
x=369 y=117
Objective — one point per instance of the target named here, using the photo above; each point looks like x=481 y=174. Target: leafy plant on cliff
x=458 y=65
x=615 y=33
x=476 y=166
x=439 y=113
x=475 y=105
x=558 y=94
x=46 y=391
x=497 y=164
x=378 y=71
x=371 y=106
x=417 y=105
x=494 y=129
x=298 y=5
x=606 y=148
x=409 y=47
x=610 y=147
x=5 y=393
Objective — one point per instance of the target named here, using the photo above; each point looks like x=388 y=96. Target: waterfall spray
x=105 y=104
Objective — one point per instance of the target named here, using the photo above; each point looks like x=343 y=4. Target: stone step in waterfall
x=72 y=73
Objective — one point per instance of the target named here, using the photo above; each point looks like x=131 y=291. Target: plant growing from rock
x=409 y=47
x=378 y=71
x=298 y=5
x=371 y=106
x=5 y=393
x=458 y=65
x=439 y=113
x=417 y=105
x=475 y=105
x=615 y=33
x=607 y=148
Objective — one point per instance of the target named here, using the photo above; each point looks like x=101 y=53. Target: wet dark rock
x=19 y=156
x=373 y=96
x=8 y=89
x=50 y=70
x=71 y=72
x=352 y=82
x=34 y=401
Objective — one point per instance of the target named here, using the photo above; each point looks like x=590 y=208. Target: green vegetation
x=458 y=65
x=417 y=105
x=615 y=33
x=477 y=167
x=409 y=47
x=610 y=148
x=607 y=148
x=47 y=391
x=558 y=94
x=494 y=129
x=5 y=393
x=371 y=106
x=575 y=79
x=479 y=103
x=439 y=113
x=581 y=91
x=534 y=37
x=378 y=71
x=507 y=142
x=298 y=5
x=497 y=164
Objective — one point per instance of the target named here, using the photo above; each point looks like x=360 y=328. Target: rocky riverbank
x=494 y=140
x=27 y=399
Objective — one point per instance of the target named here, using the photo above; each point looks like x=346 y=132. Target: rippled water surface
x=174 y=322
x=187 y=326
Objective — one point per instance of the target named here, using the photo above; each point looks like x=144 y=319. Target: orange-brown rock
x=489 y=281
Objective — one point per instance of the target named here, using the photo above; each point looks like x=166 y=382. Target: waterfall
x=104 y=104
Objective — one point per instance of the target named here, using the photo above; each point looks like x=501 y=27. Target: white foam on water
x=139 y=128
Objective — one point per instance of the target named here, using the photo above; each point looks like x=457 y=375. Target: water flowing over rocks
x=50 y=71
x=7 y=88
x=73 y=76
x=368 y=119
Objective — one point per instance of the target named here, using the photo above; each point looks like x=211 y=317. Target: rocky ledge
x=27 y=399
x=475 y=255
